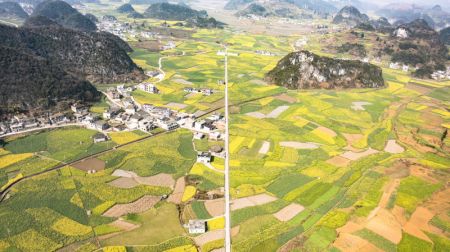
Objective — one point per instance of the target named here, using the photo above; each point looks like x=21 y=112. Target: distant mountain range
x=176 y=12
x=128 y=9
x=12 y=10
x=291 y=8
x=444 y=35
x=306 y=70
x=350 y=15
x=147 y=1
x=53 y=57
x=400 y=13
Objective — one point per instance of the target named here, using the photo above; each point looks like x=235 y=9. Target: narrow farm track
x=5 y=191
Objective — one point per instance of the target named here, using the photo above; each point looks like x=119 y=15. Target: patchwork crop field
x=310 y=170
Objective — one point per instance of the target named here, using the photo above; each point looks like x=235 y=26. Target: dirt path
x=177 y=193
x=209 y=236
x=138 y=206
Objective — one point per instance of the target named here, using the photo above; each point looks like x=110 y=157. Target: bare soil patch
x=139 y=206
x=399 y=169
x=338 y=161
x=151 y=45
x=235 y=230
x=423 y=173
x=124 y=183
x=257 y=115
x=286 y=98
x=385 y=224
x=161 y=179
x=349 y=227
x=176 y=105
x=90 y=164
x=348 y=242
x=357 y=155
x=124 y=225
x=419 y=223
x=215 y=207
x=393 y=147
x=123 y=173
x=177 y=193
x=277 y=112
x=129 y=179
x=250 y=201
x=183 y=81
x=264 y=148
x=400 y=215
x=258 y=82
x=300 y=145
x=418 y=88
x=209 y=236
x=352 y=138
x=359 y=105
x=289 y=212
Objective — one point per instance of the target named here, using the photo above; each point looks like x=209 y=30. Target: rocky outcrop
x=444 y=36
x=31 y=82
x=253 y=9
x=305 y=70
x=97 y=57
x=175 y=12
x=63 y=14
x=351 y=16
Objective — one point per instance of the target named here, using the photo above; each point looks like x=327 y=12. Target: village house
x=99 y=137
x=405 y=68
x=265 y=53
x=204 y=157
x=113 y=94
x=152 y=74
x=146 y=125
x=160 y=112
x=148 y=87
x=78 y=108
x=198 y=125
x=16 y=126
x=196 y=226
x=198 y=135
x=147 y=107
x=58 y=118
x=119 y=127
x=206 y=91
x=167 y=123
x=170 y=45
x=110 y=113
x=215 y=136
x=30 y=123
x=136 y=117
x=394 y=65
x=208 y=126
x=130 y=110
x=101 y=125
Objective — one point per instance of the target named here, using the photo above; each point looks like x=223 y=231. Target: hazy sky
x=418 y=2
